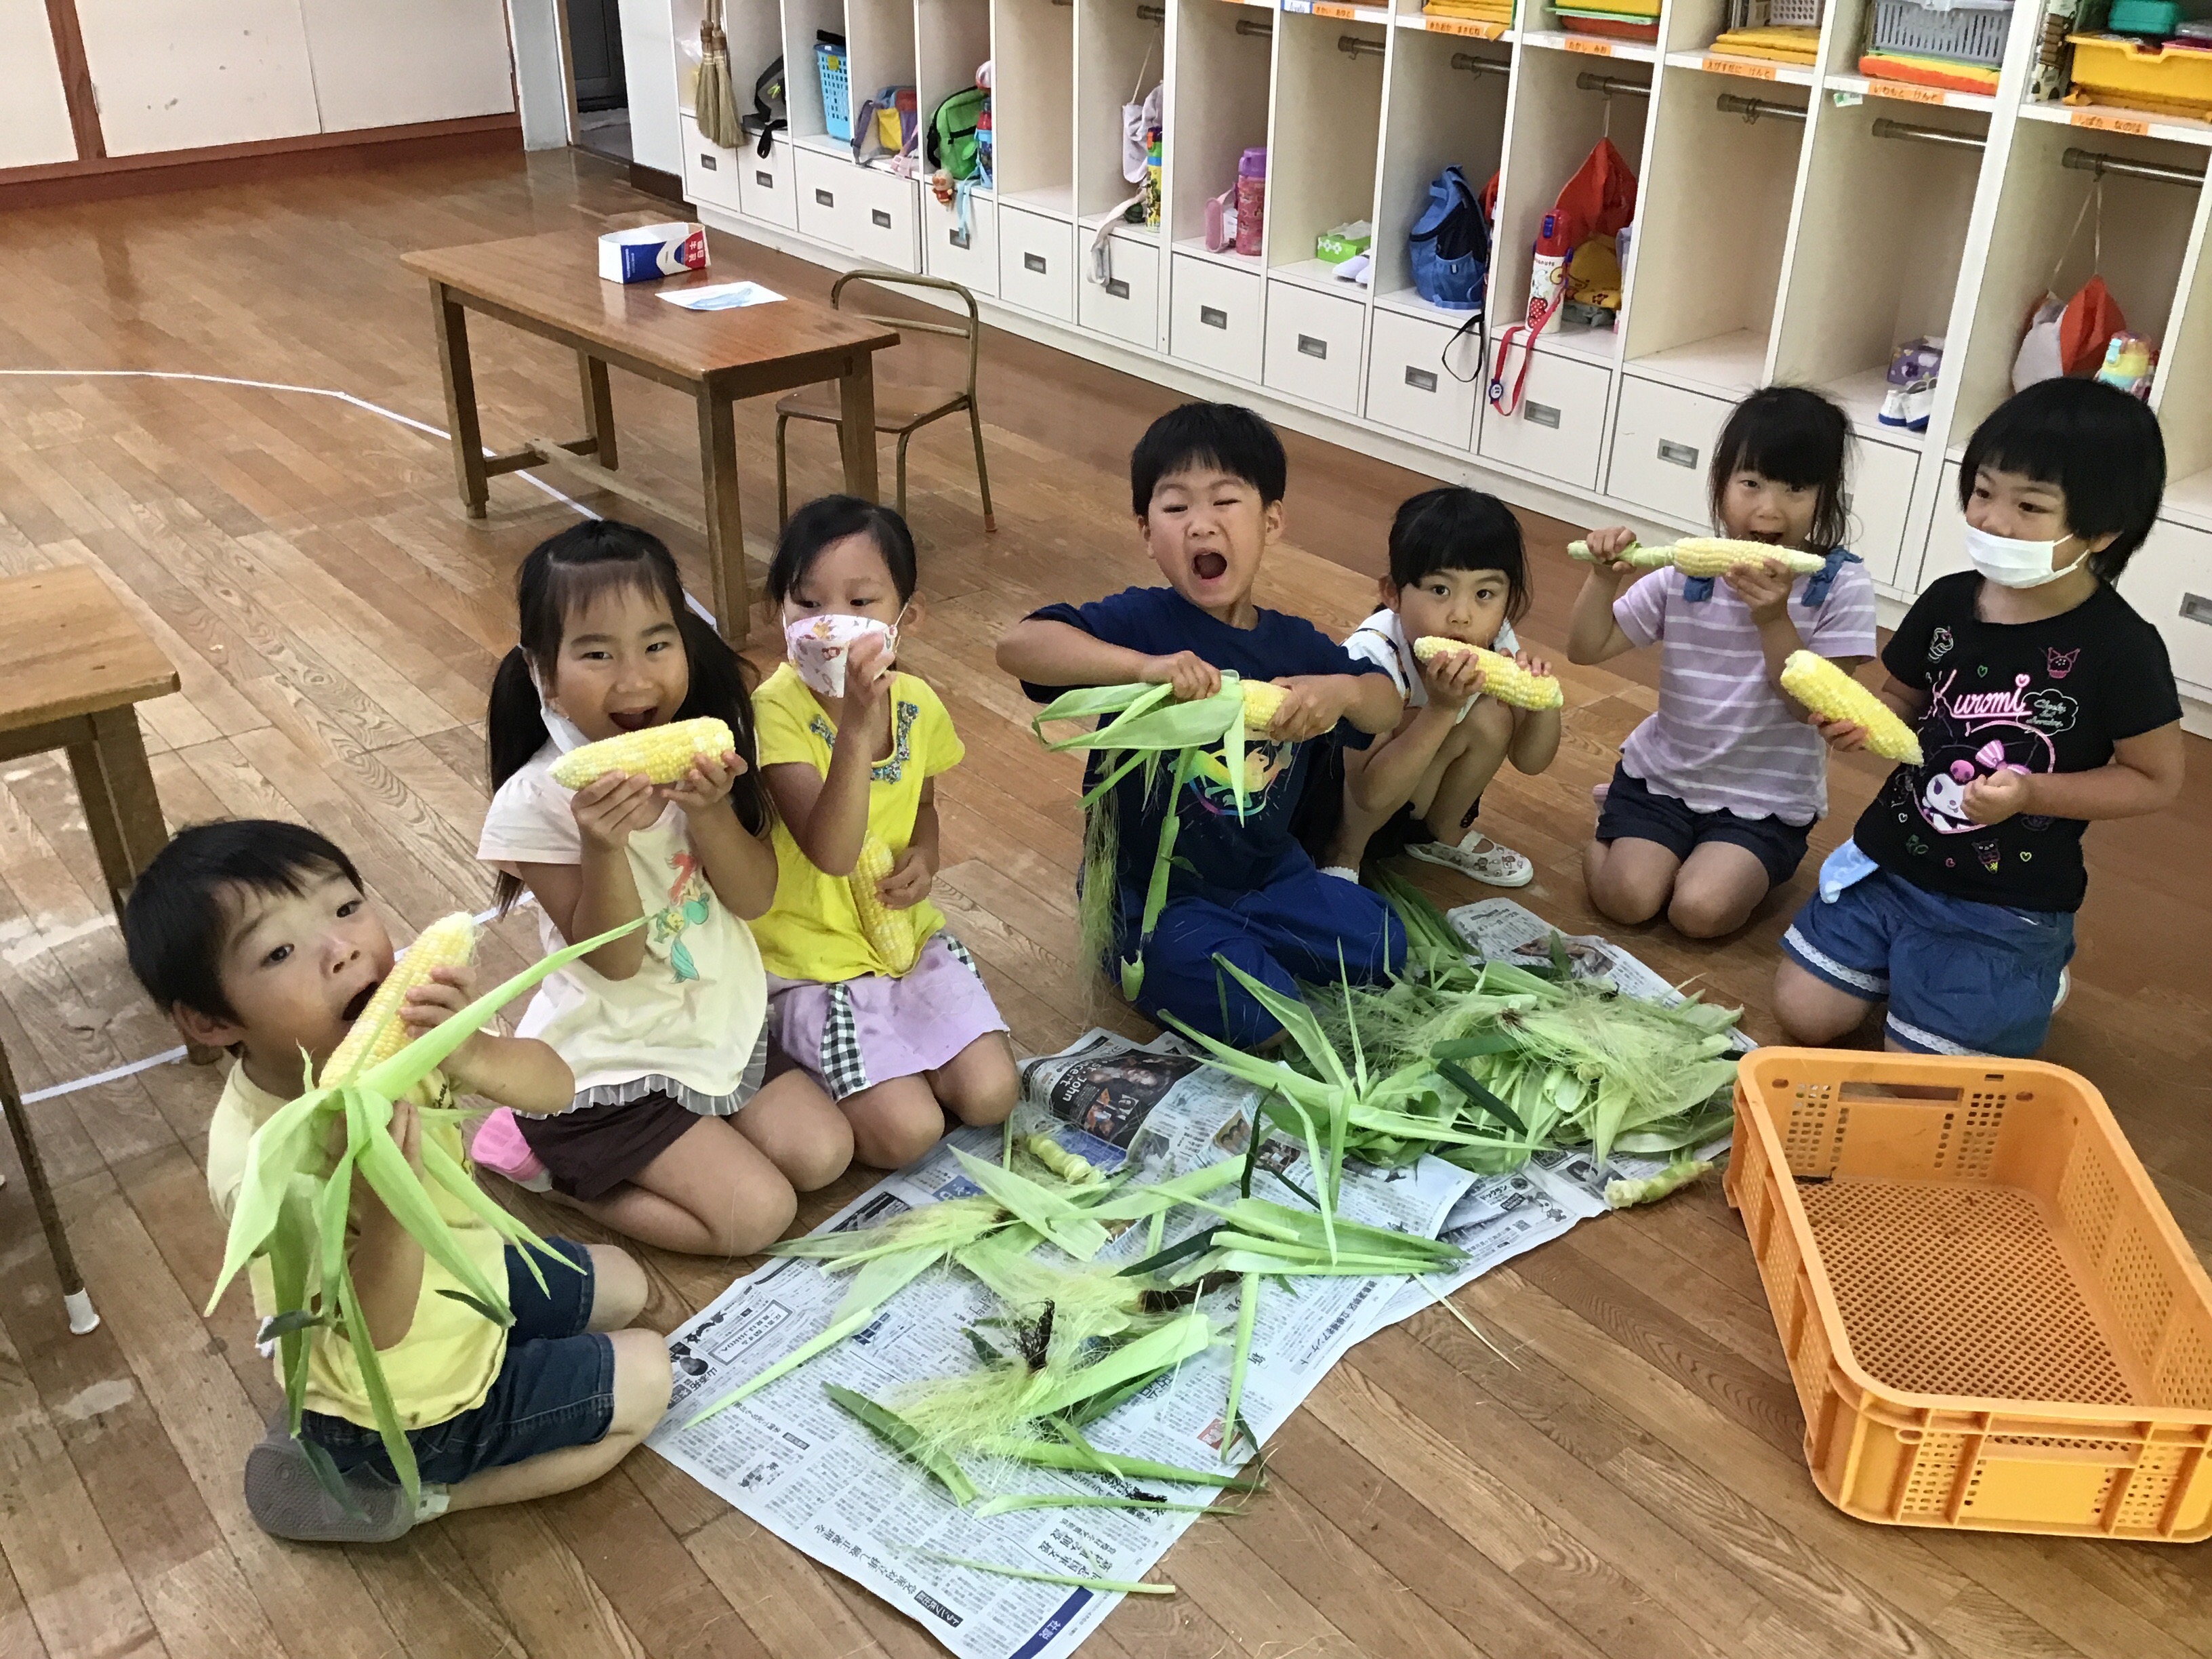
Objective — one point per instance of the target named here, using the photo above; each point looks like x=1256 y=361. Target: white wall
x=182 y=74
x=649 y=62
x=34 y=122
x=388 y=62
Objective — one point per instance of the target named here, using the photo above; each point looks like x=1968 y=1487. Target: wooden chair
x=900 y=409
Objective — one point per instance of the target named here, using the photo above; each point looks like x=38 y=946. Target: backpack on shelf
x=1448 y=246
x=950 y=144
x=768 y=116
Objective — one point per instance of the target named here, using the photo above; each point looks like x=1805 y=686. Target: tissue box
x=646 y=251
x=1335 y=247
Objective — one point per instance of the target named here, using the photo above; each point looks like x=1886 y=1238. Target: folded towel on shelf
x=1780 y=43
x=1474 y=11
x=1927 y=72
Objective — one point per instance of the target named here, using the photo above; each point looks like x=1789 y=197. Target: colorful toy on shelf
x=2130 y=360
x=1912 y=393
x=1958 y=46
x=2172 y=79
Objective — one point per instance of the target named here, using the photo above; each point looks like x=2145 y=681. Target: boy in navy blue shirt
x=1206 y=485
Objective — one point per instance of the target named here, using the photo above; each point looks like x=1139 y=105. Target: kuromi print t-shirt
x=2052 y=695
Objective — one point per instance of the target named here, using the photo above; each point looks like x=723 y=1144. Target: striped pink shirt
x=1724 y=740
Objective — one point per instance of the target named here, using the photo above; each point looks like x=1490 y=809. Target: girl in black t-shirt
x=2042 y=701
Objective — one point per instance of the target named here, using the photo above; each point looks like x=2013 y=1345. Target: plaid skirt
x=859 y=1032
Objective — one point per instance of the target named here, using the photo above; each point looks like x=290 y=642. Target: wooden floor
x=1633 y=1487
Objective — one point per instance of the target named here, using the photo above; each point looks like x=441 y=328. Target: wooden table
x=72 y=662
x=550 y=286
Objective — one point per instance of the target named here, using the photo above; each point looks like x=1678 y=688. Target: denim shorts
x=1634 y=811
x=556 y=1388
x=1961 y=977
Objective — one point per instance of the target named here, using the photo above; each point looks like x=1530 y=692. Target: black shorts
x=1637 y=813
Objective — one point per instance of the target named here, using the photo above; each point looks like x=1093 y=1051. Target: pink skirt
x=860 y=1032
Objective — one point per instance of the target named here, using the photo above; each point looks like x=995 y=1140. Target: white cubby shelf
x=1795 y=222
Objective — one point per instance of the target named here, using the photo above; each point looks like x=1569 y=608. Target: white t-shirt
x=691 y=1012
x=1382 y=641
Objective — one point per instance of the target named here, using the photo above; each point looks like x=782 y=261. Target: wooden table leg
x=599 y=409
x=451 y=322
x=856 y=431
x=726 y=537
x=120 y=807
x=81 y=1319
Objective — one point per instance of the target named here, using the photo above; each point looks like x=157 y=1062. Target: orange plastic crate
x=1991 y=1319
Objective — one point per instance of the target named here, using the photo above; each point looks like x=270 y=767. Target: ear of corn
x=661 y=753
x=1262 y=702
x=1708 y=556
x=889 y=933
x=1502 y=678
x=378 y=1034
x=1835 y=696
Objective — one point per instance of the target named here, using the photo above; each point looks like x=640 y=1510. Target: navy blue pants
x=1287 y=929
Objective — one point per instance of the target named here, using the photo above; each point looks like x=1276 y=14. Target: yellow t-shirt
x=812 y=931
x=446 y=1362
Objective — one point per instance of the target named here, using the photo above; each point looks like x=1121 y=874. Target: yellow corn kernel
x=889 y=933
x=661 y=753
x=1835 y=696
x=1502 y=678
x=378 y=1034
x=1716 y=556
x=1262 y=700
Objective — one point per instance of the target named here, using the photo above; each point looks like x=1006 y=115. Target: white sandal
x=1478 y=858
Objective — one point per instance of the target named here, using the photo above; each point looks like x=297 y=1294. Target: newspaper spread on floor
x=794 y=1463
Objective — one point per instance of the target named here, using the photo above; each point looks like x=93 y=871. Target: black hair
x=2099 y=446
x=1795 y=436
x=569 y=571
x=831 y=519
x=1452 y=528
x=1224 y=435
x=175 y=923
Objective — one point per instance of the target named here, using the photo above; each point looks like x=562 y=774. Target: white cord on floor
x=170 y=1056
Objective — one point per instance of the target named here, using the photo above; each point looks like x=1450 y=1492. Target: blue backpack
x=1449 y=244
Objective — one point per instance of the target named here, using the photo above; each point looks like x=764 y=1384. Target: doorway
x=595 y=65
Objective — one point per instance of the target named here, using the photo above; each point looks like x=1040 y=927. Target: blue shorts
x=1297 y=925
x=1961 y=977
x=556 y=1388
x=1634 y=811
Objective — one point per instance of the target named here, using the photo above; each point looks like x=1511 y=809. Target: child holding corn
x=1458 y=572
x=2040 y=700
x=1206 y=485
x=1709 y=805
x=256 y=938
x=872 y=997
x=606 y=809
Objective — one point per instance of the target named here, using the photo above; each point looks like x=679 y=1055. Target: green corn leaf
x=287 y=1324
x=880 y=1280
x=858 y=1319
x=1107 y=1586
x=1169 y=1344
x=1197 y=1244
x=1251 y=1262
x=1248 y=1310
x=1045 y=1454
x=289 y=1144
x=1100 y=1405
x=1461 y=1079
x=1012 y=1502
x=1038 y=1206
x=901 y=1437
x=1232 y=747
x=396 y=1446
x=387 y=1170
x=1475 y=1047
x=1135 y=1203
x=467 y=1301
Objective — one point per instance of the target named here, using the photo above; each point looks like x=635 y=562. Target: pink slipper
x=499 y=1147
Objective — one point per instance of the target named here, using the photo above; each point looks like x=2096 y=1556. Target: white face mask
x=816 y=647
x=2011 y=564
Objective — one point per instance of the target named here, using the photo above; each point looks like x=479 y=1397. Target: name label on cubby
x=1323 y=9
x=2082 y=118
x=1906 y=95
x=1460 y=26
x=1588 y=48
x=1738 y=66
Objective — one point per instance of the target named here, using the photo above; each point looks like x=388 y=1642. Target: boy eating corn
x=1207 y=483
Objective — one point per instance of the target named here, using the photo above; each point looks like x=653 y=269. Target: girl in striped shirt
x=1709 y=807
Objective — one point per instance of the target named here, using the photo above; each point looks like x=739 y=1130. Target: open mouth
x=357 y=1004
x=1208 y=567
x=1771 y=538
x=631 y=720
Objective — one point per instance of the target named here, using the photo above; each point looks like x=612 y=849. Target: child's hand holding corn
x=1454 y=680
x=447 y=991
x=1190 y=674
x=908 y=883
x=1762 y=587
x=1312 y=704
x=1606 y=547
x=610 y=809
x=708 y=784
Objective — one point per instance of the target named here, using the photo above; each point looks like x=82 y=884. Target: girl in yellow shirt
x=895 y=1050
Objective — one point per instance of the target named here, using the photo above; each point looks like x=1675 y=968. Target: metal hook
x=1751 y=108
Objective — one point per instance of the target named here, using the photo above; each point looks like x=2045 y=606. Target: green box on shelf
x=1344 y=242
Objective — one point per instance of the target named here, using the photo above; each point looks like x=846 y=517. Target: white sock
x=1342 y=872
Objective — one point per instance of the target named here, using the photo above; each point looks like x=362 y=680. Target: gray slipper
x=287 y=1501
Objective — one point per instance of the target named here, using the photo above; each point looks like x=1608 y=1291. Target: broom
x=717 y=104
